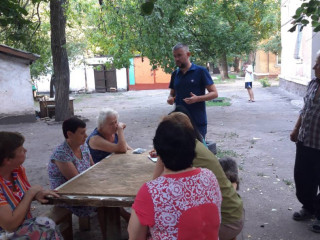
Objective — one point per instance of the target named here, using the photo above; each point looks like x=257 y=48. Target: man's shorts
x=248 y=85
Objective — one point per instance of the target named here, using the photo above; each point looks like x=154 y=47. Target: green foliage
x=213 y=30
x=29 y=31
x=273 y=45
x=307 y=10
x=226 y=153
x=265 y=82
x=35 y=37
x=12 y=13
x=219 y=102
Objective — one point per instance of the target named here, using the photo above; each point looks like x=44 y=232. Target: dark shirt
x=195 y=80
x=98 y=155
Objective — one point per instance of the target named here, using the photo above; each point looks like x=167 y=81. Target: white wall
x=77 y=79
x=296 y=70
x=15 y=87
x=122 y=79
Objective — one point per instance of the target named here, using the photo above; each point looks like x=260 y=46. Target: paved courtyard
x=256 y=134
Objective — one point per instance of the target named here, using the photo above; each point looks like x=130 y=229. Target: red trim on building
x=149 y=86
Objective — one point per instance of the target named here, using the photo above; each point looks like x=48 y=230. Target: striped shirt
x=12 y=194
x=309 y=132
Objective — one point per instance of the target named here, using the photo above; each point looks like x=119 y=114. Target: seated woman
x=108 y=137
x=183 y=203
x=232 y=206
x=16 y=194
x=71 y=158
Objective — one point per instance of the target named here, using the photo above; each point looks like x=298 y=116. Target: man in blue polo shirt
x=188 y=87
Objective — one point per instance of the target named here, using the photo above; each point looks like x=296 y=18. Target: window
x=298 y=43
x=279 y=58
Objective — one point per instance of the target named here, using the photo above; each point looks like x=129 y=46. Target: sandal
x=315 y=227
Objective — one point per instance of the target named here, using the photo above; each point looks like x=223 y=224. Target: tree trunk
x=223 y=66
x=52 y=86
x=60 y=58
x=236 y=65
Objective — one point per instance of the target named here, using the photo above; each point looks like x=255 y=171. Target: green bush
x=265 y=82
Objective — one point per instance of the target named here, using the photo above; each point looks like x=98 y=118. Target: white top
x=249 y=76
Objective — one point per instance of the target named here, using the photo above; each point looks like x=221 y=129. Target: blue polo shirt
x=195 y=80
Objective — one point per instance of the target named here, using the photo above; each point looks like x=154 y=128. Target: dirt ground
x=257 y=134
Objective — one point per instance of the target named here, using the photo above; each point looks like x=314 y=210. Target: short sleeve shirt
x=195 y=80
x=180 y=206
x=63 y=153
x=249 y=76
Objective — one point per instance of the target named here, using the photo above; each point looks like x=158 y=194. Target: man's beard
x=182 y=65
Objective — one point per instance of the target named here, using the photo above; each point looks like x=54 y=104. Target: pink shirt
x=181 y=206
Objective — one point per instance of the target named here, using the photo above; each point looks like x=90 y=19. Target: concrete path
x=257 y=134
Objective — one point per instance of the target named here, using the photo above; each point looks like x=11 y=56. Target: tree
x=24 y=25
x=309 y=10
x=60 y=58
x=213 y=30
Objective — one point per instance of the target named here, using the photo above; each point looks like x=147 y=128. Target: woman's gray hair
x=104 y=114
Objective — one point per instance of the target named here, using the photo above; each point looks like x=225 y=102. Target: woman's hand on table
x=33 y=191
x=41 y=195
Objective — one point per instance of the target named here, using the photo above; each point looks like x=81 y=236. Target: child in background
x=230 y=168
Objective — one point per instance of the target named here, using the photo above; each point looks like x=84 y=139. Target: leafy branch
x=308 y=11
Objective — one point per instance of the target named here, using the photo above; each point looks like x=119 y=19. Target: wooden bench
x=63 y=219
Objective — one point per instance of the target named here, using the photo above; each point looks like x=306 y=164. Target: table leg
x=109 y=219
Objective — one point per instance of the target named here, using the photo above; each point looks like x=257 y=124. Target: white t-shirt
x=249 y=76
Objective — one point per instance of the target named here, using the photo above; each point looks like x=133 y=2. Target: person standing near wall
x=306 y=134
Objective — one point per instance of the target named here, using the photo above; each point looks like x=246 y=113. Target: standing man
x=248 y=80
x=188 y=87
x=307 y=165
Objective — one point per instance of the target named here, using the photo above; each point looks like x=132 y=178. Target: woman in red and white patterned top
x=183 y=203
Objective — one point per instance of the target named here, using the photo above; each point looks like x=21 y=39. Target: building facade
x=299 y=50
x=16 y=95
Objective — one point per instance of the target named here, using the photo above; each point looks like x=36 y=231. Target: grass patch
x=224 y=153
x=231 y=79
x=232 y=76
x=287 y=182
x=220 y=101
x=265 y=82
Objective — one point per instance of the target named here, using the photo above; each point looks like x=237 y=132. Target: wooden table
x=48 y=107
x=111 y=183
